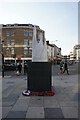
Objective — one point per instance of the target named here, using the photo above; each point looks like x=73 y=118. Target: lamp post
x=53 y=51
x=2 y=59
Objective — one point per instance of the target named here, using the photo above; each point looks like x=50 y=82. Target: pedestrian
x=66 y=67
x=61 y=67
x=19 y=67
x=25 y=68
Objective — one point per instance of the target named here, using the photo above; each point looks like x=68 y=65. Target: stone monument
x=39 y=48
x=39 y=70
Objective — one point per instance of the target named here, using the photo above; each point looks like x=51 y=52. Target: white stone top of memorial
x=39 y=49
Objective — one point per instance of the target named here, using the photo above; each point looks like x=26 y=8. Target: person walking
x=61 y=67
x=25 y=68
x=19 y=68
x=66 y=67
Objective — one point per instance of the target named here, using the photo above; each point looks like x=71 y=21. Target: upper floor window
x=25 y=51
x=25 y=42
x=12 y=33
x=30 y=33
x=30 y=43
x=12 y=50
x=7 y=42
x=25 y=33
x=30 y=51
x=7 y=33
x=12 y=42
x=39 y=35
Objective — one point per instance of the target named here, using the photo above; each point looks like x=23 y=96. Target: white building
x=75 y=53
x=54 y=53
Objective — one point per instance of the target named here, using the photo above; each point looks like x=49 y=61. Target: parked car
x=9 y=66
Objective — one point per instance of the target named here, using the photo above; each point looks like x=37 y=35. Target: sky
x=59 y=20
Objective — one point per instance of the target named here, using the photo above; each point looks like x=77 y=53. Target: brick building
x=18 y=40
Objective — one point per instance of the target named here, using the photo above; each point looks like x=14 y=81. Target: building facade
x=18 y=40
x=54 y=53
x=75 y=53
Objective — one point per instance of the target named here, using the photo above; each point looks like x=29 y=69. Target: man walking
x=66 y=67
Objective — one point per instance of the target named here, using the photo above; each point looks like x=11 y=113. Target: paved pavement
x=64 y=104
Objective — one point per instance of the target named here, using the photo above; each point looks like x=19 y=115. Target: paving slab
x=0 y=112
x=21 y=105
x=8 y=104
x=68 y=104
x=53 y=113
x=24 y=97
x=51 y=98
x=51 y=104
x=5 y=111
x=35 y=112
x=7 y=91
x=36 y=101
x=73 y=97
x=0 y=103
x=16 y=114
x=70 y=112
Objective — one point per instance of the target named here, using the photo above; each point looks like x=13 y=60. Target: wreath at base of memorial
x=46 y=93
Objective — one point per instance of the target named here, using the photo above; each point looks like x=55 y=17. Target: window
x=7 y=42
x=30 y=33
x=43 y=39
x=7 y=33
x=30 y=43
x=12 y=42
x=12 y=50
x=7 y=51
x=25 y=42
x=38 y=35
x=25 y=51
x=25 y=33
x=12 y=33
x=30 y=51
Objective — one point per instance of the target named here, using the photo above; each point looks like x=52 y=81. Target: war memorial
x=39 y=70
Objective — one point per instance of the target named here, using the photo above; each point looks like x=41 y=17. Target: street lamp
x=2 y=58
x=53 y=50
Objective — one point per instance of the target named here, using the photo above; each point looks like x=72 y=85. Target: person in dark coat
x=66 y=67
x=19 y=67
x=25 y=68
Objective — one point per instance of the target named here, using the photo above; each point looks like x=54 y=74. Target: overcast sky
x=59 y=20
